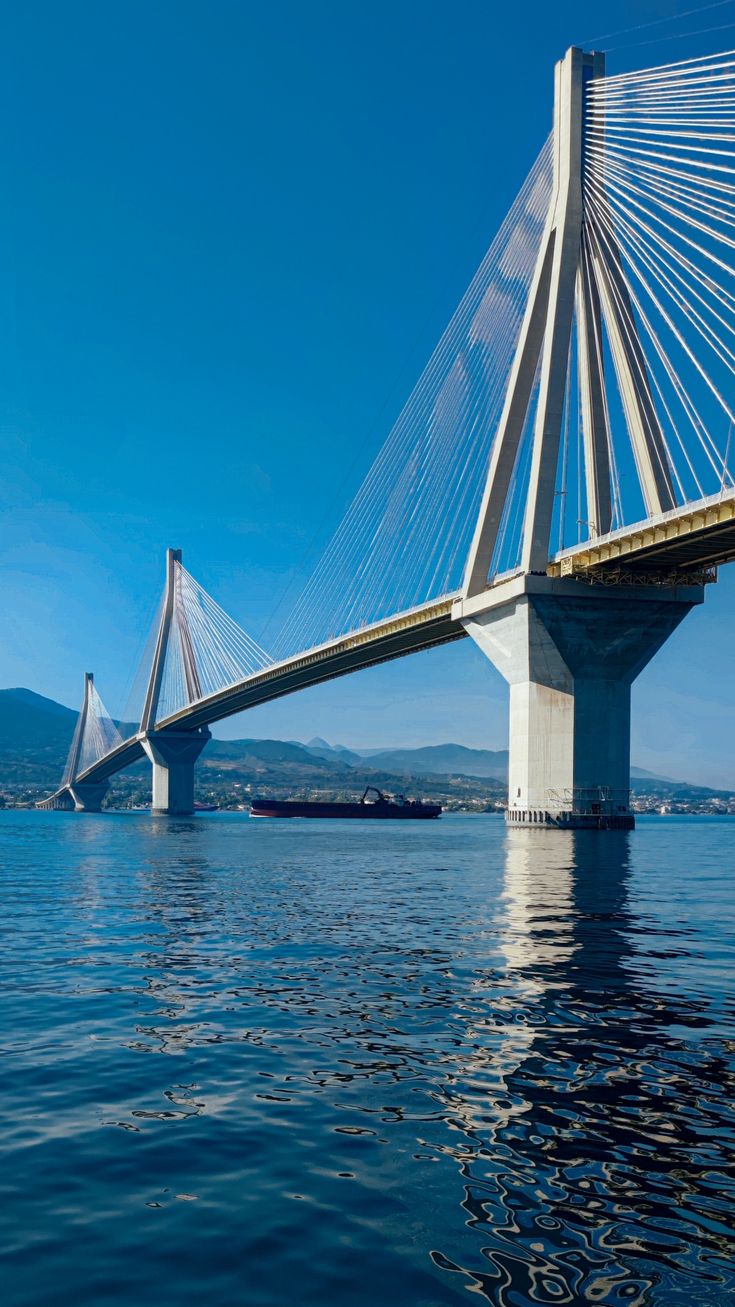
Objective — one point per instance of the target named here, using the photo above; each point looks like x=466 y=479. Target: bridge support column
x=88 y=795
x=570 y=653
x=173 y=755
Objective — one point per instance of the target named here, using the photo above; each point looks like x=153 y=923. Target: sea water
x=328 y=1063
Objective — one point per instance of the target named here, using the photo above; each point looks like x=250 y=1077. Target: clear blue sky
x=231 y=235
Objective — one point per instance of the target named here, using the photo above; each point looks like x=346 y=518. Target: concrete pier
x=173 y=755
x=570 y=653
x=88 y=795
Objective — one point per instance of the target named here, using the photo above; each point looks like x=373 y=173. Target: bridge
x=557 y=486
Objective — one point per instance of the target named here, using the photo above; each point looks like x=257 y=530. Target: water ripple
x=252 y=1062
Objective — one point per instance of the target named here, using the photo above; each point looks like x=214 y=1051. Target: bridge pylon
x=172 y=754
x=87 y=796
x=570 y=650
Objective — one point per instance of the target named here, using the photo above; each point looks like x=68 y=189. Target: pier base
x=173 y=755
x=570 y=653
x=88 y=795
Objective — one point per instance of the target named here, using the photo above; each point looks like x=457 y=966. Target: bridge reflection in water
x=585 y=1106
x=392 y=1063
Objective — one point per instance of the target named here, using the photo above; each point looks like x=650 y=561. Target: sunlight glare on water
x=336 y=1063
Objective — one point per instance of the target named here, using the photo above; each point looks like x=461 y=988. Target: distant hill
x=264 y=751
x=446 y=759
x=35 y=734
x=335 y=752
x=22 y=699
x=458 y=760
x=286 y=769
x=641 y=774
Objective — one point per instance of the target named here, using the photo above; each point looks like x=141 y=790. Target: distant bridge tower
x=569 y=649
x=173 y=753
x=94 y=735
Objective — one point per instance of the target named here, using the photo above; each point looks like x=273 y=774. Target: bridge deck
x=419 y=628
x=691 y=538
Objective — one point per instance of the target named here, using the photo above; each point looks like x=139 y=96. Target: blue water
x=270 y=1063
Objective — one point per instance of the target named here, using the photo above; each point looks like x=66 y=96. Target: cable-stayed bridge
x=557 y=486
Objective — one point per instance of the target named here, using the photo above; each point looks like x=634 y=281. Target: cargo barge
x=381 y=808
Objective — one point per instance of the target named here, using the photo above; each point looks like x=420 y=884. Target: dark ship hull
x=381 y=810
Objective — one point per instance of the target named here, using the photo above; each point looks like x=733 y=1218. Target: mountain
x=36 y=702
x=336 y=752
x=445 y=759
x=35 y=734
x=27 y=718
x=232 y=770
x=640 y=773
x=225 y=752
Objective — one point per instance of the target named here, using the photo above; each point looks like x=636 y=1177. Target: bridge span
x=424 y=627
x=558 y=485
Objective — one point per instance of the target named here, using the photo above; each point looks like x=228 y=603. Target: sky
x=232 y=235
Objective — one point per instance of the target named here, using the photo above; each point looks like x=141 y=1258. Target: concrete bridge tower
x=173 y=753
x=571 y=649
x=87 y=796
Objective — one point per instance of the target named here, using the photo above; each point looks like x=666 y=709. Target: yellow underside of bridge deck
x=689 y=540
